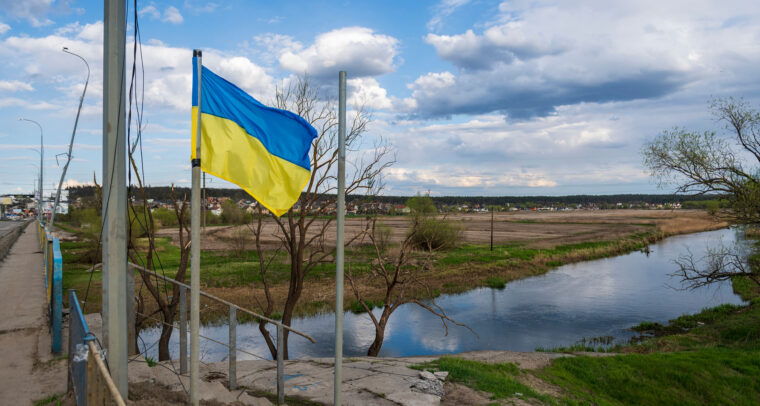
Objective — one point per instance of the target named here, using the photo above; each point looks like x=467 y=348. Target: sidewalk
x=28 y=370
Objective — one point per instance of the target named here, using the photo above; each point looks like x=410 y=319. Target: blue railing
x=51 y=249
x=79 y=335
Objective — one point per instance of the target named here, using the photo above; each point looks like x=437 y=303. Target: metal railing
x=233 y=350
x=53 y=267
x=79 y=338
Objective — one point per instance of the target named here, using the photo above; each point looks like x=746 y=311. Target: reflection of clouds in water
x=589 y=299
x=359 y=331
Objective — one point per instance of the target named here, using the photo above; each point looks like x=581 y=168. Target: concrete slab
x=28 y=371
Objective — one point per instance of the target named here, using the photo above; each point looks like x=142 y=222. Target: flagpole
x=339 y=240
x=195 y=246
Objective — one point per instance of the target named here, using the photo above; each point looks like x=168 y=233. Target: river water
x=585 y=300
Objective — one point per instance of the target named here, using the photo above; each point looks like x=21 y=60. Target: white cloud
x=172 y=15
x=150 y=11
x=442 y=10
x=34 y=11
x=357 y=50
x=4 y=28
x=200 y=7
x=537 y=56
x=14 y=85
x=368 y=92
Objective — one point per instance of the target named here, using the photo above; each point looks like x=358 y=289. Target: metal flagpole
x=339 y=241
x=195 y=247
x=114 y=194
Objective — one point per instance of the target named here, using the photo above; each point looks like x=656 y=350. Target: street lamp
x=71 y=143
x=42 y=154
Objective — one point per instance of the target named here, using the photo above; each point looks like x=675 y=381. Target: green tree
x=705 y=162
x=421 y=205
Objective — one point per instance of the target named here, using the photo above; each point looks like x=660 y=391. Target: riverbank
x=712 y=357
x=563 y=238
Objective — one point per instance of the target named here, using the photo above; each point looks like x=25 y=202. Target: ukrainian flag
x=263 y=150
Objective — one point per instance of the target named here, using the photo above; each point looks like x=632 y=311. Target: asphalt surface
x=8 y=226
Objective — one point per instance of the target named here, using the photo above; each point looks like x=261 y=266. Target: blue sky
x=530 y=97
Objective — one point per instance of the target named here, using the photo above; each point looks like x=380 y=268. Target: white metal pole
x=339 y=241
x=114 y=193
x=42 y=152
x=195 y=246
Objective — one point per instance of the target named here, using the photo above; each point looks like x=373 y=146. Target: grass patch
x=50 y=400
x=497 y=379
x=495 y=282
x=595 y=344
x=710 y=376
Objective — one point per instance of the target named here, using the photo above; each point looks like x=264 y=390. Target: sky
x=475 y=97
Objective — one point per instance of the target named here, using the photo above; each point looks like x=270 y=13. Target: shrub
x=165 y=217
x=382 y=234
x=432 y=234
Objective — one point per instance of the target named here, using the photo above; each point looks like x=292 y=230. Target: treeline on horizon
x=164 y=193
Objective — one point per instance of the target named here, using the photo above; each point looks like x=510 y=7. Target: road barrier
x=88 y=376
x=51 y=248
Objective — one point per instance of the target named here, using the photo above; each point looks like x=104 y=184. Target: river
x=590 y=299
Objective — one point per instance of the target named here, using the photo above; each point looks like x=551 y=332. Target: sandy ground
x=28 y=371
x=536 y=229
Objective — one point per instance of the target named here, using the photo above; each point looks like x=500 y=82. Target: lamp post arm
x=71 y=143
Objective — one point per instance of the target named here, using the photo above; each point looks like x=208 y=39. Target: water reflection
x=589 y=299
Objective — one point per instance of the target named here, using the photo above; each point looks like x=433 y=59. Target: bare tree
x=704 y=162
x=167 y=300
x=402 y=278
x=719 y=264
x=303 y=228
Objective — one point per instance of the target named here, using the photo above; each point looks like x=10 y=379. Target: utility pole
x=339 y=249
x=115 y=195
x=493 y=209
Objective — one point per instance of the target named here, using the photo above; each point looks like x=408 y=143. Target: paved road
x=7 y=226
x=28 y=371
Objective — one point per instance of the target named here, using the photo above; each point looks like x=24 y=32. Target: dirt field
x=535 y=229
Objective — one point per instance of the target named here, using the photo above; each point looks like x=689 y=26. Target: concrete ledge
x=7 y=241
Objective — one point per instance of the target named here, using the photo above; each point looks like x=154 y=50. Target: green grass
x=50 y=400
x=710 y=376
x=495 y=282
x=712 y=357
x=500 y=380
x=595 y=344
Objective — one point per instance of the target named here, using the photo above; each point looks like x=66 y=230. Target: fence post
x=57 y=293
x=182 y=330
x=280 y=366
x=233 y=348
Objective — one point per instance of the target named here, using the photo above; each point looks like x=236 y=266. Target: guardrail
x=233 y=350
x=79 y=337
x=53 y=267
